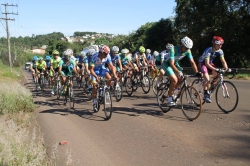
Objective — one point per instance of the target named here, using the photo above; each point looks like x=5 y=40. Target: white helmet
x=125 y=51
x=95 y=47
x=91 y=51
x=68 y=52
x=187 y=42
x=156 y=53
x=169 y=46
x=115 y=49
x=148 y=51
x=83 y=53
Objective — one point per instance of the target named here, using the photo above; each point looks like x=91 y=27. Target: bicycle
x=126 y=81
x=142 y=80
x=104 y=97
x=57 y=85
x=221 y=89
x=190 y=99
x=68 y=92
x=116 y=88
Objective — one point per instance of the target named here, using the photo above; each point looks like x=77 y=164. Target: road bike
x=188 y=96
x=68 y=92
x=104 y=98
x=226 y=94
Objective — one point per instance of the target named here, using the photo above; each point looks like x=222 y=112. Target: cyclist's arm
x=224 y=63
x=193 y=64
x=92 y=72
x=207 y=63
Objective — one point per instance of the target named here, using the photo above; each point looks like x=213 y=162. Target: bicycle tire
x=145 y=81
x=198 y=85
x=36 y=82
x=71 y=97
x=118 y=92
x=107 y=101
x=42 y=82
x=129 y=86
x=162 y=101
x=135 y=84
x=225 y=110
x=193 y=103
x=65 y=96
x=58 y=89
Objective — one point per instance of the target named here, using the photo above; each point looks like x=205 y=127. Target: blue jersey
x=98 y=63
x=81 y=59
x=210 y=54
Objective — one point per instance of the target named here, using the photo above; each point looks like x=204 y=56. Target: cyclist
x=33 y=67
x=47 y=60
x=148 y=55
x=66 y=67
x=125 y=59
x=82 y=63
x=70 y=53
x=41 y=67
x=116 y=58
x=206 y=62
x=172 y=54
x=54 y=67
x=97 y=68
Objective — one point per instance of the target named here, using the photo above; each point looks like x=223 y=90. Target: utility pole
x=7 y=29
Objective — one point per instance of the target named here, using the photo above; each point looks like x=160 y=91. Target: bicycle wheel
x=42 y=82
x=36 y=81
x=108 y=109
x=191 y=103
x=128 y=86
x=65 y=99
x=227 y=97
x=118 y=91
x=58 y=89
x=154 y=86
x=71 y=97
x=197 y=84
x=162 y=97
x=145 y=84
x=135 y=83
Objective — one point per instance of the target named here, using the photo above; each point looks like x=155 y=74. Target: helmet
x=55 y=52
x=35 y=58
x=103 y=48
x=83 y=53
x=148 y=51
x=40 y=58
x=95 y=47
x=125 y=51
x=115 y=49
x=156 y=53
x=187 y=42
x=141 y=49
x=91 y=51
x=68 y=52
x=218 y=40
x=169 y=46
x=47 y=57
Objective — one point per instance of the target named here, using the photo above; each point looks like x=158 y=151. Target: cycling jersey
x=148 y=56
x=210 y=54
x=48 y=63
x=41 y=65
x=55 y=62
x=67 y=68
x=81 y=59
x=98 y=63
x=125 y=59
x=34 y=64
x=176 y=55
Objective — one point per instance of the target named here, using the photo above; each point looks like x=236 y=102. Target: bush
x=14 y=98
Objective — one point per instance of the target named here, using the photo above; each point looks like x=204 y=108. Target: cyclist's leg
x=205 y=85
x=172 y=76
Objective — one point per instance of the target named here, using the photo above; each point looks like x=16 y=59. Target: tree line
x=198 y=19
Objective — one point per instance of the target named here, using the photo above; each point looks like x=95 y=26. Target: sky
x=68 y=16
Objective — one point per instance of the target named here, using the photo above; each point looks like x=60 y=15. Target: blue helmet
x=35 y=58
x=47 y=58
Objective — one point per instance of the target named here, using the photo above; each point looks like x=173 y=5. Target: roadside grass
x=20 y=144
x=241 y=76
